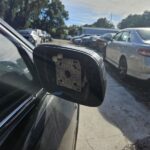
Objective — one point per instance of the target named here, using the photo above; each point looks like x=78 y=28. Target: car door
x=30 y=118
x=113 y=47
x=129 y=50
x=123 y=46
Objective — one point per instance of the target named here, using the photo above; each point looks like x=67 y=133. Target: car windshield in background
x=144 y=34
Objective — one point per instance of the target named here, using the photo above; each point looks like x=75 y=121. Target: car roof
x=135 y=29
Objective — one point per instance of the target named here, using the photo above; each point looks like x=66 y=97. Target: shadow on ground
x=140 y=89
x=124 y=107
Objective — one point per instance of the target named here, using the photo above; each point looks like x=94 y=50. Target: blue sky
x=88 y=11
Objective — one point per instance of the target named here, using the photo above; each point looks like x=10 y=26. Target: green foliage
x=52 y=18
x=19 y=12
x=136 y=21
x=42 y=14
x=74 y=30
x=101 y=23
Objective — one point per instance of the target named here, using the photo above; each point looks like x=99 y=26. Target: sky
x=88 y=11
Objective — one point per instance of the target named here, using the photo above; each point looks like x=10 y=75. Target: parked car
x=31 y=35
x=49 y=37
x=46 y=37
x=41 y=89
x=129 y=51
x=78 y=39
x=68 y=37
x=87 y=40
x=108 y=36
x=41 y=34
x=102 y=42
x=93 y=41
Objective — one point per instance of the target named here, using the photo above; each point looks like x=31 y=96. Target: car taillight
x=144 y=52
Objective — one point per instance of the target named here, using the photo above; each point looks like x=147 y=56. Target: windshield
x=112 y=29
x=144 y=34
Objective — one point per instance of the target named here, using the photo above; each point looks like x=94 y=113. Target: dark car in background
x=102 y=42
x=78 y=39
x=40 y=114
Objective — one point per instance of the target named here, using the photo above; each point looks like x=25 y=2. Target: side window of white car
x=117 y=37
x=125 y=37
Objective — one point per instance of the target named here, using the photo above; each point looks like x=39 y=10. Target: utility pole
x=111 y=17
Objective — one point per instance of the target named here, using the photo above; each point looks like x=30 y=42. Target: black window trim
x=16 y=34
x=116 y=35
x=8 y=123
x=21 y=50
x=15 y=117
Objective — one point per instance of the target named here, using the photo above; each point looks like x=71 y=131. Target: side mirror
x=40 y=35
x=72 y=73
x=109 y=38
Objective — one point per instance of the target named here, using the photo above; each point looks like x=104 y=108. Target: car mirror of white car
x=71 y=73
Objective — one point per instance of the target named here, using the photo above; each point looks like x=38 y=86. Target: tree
x=18 y=13
x=136 y=21
x=52 y=18
x=43 y=14
x=2 y=8
x=74 y=30
x=101 y=23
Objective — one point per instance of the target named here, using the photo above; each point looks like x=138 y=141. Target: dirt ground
x=122 y=122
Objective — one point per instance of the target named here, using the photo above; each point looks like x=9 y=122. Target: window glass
x=125 y=37
x=15 y=79
x=144 y=34
x=117 y=37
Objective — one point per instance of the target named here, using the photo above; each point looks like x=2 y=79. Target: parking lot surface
x=122 y=120
x=117 y=123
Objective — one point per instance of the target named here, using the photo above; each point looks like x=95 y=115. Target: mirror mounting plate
x=74 y=74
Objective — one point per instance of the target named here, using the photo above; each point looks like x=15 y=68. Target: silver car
x=129 y=51
x=31 y=35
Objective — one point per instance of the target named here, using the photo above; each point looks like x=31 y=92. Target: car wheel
x=123 y=68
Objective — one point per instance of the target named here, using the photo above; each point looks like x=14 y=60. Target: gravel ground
x=122 y=122
x=117 y=124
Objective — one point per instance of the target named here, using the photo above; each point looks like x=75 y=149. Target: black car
x=38 y=103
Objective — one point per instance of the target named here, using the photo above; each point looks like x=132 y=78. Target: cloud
x=84 y=11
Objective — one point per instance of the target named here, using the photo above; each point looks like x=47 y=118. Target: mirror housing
x=72 y=73
x=109 y=38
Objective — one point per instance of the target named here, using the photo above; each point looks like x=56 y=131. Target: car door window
x=117 y=37
x=125 y=37
x=16 y=81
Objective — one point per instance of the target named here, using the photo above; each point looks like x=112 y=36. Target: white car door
x=112 y=48
x=122 y=46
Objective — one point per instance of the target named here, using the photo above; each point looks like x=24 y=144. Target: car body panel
x=53 y=126
x=40 y=121
x=30 y=33
x=138 y=65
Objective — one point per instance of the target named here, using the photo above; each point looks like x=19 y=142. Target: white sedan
x=129 y=51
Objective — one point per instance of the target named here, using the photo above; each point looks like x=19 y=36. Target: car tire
x=123 y=68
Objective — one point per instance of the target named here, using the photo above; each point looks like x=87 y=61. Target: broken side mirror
x=72 y=73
